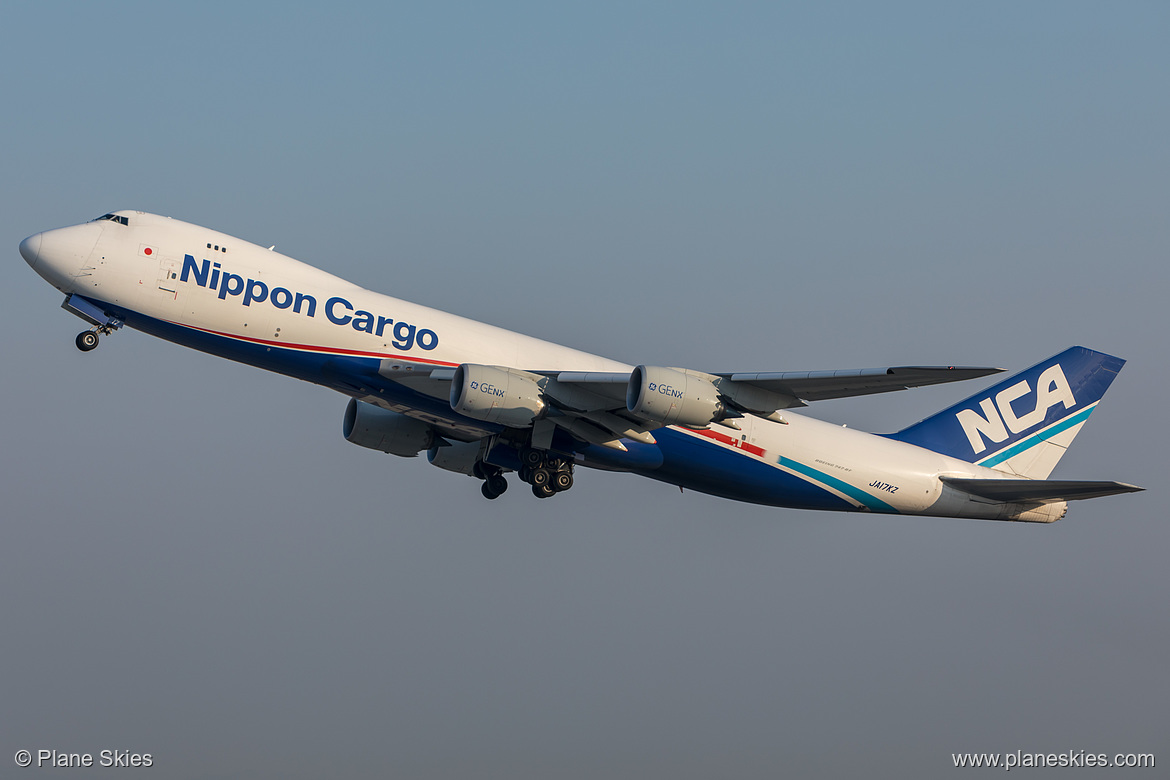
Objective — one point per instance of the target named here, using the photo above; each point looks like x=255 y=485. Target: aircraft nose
x=30 y=250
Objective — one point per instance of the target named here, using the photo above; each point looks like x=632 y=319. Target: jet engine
x=372 y=426
x=499 y=395
x=459 y=456
x=673 y=397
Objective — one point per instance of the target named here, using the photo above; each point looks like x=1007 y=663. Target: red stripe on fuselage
x=739 y=444
x=312 y=348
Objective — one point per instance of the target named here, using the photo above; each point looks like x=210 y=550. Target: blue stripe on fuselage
x=679 y=458
x=700 y=464
x=348 y=374
x=841 y=486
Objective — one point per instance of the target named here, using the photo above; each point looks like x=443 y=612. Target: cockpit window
x=113 y=218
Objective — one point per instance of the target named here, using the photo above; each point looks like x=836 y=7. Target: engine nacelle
x=673 y=397
x=367 y=425
x=497 y=395
x=459 y=456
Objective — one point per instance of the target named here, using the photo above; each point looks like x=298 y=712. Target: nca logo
x=1051 y=389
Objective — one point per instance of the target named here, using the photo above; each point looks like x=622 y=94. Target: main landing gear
x=548 y=474
x=494 y=483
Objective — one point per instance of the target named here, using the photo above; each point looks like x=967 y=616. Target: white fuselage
x=227 y=296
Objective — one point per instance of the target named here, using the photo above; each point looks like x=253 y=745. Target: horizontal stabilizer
x=1037 y=490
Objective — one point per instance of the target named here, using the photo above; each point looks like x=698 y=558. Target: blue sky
x=195 y=564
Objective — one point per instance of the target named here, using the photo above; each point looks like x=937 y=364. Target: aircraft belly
x=356 y=376
x=697 y=463
x=788 y=465
x=774 y=468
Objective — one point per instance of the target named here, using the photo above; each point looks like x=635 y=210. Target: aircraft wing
x=592 y=404
x=803 y=386
x=823 y=385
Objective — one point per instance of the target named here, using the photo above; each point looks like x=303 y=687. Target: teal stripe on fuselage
x=857 y=494
x=1037 y=438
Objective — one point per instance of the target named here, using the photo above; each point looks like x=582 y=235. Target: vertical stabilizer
x=1024 y=424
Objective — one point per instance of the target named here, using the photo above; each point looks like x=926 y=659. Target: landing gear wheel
x=563 y=480
x=86 y=340
x=487 y=491
x=541 y=477
x=543 y=491
x=497 y=484
x=531 y=457
x=526 y=474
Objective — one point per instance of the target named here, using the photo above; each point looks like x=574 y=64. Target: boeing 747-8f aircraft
x=486 y=402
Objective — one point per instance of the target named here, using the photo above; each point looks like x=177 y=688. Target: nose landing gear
x=86 y=340
x=103 y=323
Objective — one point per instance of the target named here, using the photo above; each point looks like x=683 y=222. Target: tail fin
x=1024 y=424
